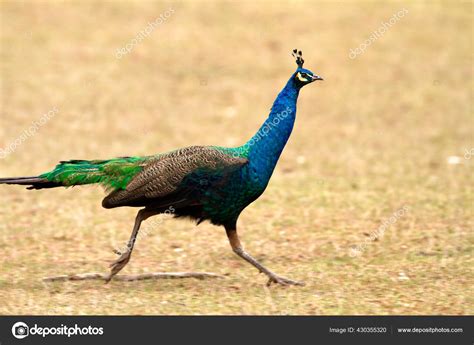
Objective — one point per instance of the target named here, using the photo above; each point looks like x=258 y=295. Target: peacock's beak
x=316 y=77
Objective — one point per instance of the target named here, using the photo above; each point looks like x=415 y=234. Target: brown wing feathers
x=162 y=176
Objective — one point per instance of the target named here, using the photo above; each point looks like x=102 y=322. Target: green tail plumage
x=112 y=173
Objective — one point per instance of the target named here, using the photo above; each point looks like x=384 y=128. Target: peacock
x=204 y=183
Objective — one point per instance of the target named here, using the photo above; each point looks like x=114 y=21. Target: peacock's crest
x=298 y=55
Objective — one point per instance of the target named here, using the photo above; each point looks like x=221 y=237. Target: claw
x=118 y=264
x=109 y=278
x=283 y=281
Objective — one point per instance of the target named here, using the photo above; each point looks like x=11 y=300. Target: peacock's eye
x=302 y=77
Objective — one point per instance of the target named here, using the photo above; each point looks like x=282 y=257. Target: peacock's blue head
x=303 y=76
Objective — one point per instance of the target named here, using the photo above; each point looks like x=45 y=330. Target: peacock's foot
x=282 y=281
x=118 y=264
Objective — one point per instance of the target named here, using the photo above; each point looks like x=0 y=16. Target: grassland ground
x=374 y=137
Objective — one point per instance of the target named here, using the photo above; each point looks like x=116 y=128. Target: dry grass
x=374 y=136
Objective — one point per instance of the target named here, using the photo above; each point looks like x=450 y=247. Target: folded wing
x=169 y=178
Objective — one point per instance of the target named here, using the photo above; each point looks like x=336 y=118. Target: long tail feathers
x=34 y=182
x=112 y=174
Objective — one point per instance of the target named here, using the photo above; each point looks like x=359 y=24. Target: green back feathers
x=236 y=152
x=112 y=173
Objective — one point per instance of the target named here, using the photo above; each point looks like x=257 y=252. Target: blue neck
x=265 y=147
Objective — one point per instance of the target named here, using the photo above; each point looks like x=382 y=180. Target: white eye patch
x=300 y=77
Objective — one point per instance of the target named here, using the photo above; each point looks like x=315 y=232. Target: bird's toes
x=121 y=261
x=283 y=281
x=116 y=267
x=109 y=278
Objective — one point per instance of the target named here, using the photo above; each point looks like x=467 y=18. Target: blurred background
x=390 y=127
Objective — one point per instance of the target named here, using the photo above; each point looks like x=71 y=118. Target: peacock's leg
x=239 y=250
x=124 y=258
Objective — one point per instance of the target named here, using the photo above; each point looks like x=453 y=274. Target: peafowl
x=211 y=183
